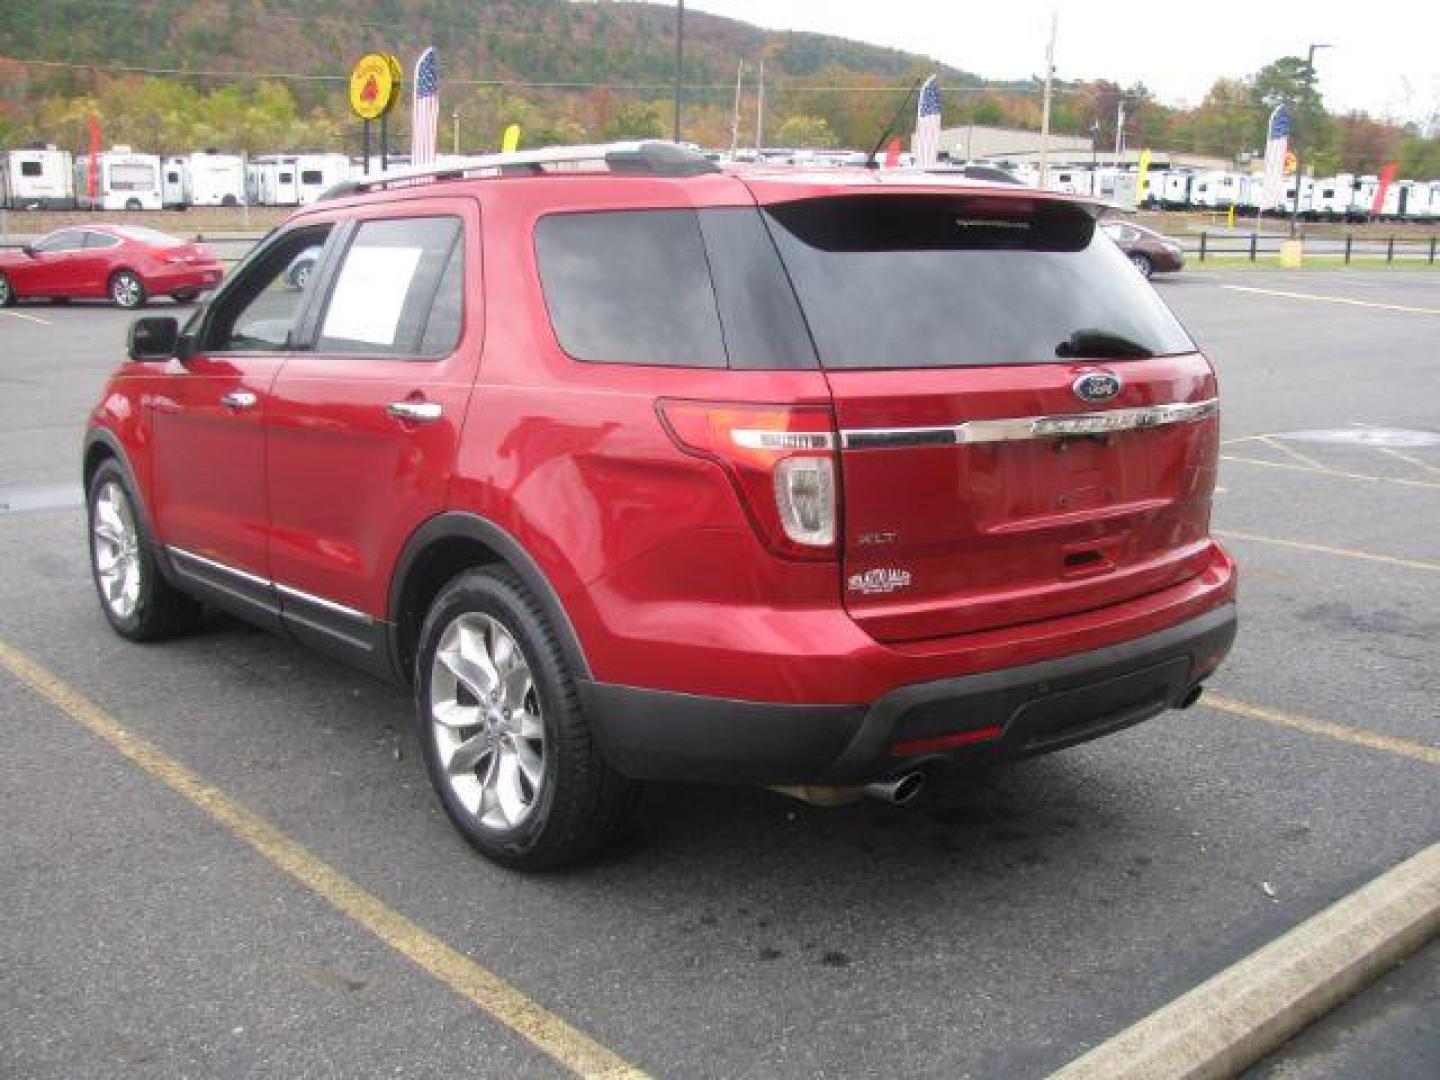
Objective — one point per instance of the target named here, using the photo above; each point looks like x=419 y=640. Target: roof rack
x=650 y=158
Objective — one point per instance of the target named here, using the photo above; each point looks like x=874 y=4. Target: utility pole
x=679 y=60
x=1119 y=130
x=1045 y=110
x=760 y=111
x=1294 y=116
x=735 y=114
x=455 y=131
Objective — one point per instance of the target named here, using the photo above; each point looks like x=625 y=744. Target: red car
x=634 y=469
x=126 y=263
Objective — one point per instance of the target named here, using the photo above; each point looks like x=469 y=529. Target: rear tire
x=127 y=290
x=134 y=595
x=7 y=292
x=1142 y=263
x=506 y=742
x=132 y=204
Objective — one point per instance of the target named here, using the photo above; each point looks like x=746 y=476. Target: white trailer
x=210 y=179
x=172 y=183
x=1215 y=189
x=1333 y=196
x=1072 y=181
x=273 y=180
x=125 y=180
x=1174 y=193
x=1414 y=201
x=40 y=178
x=1307 y=198
x=318 y=173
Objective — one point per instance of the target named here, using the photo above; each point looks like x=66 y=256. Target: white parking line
x=27 y=317
x=1332 y=299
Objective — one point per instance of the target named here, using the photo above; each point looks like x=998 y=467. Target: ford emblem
x=1096 y=386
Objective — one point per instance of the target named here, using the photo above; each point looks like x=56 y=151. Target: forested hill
x=605 y=54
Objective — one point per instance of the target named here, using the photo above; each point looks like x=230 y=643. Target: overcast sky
x=1386 y=58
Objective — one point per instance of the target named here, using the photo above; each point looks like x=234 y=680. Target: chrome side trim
x=253 y=579
x=321 y=602
x=265 y=583
x=1058 y=426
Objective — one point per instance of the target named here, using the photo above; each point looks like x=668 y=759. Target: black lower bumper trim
x=1036 y=708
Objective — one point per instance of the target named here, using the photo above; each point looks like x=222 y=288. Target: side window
x=65 y=240
x=388 y=289
x=31 y=168
x=630 y=287
x=442 y=329
x=94 y=240
x=261 y=310
x=311 y=176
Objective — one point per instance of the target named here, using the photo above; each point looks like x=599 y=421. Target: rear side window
x=955 y=281
x=630 y=287
x=311 y=176
x=30 y=168
x=387 y=285
x=670 y=287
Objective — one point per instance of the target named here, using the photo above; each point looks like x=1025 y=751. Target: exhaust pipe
x=897 y=792
x=1191 y=696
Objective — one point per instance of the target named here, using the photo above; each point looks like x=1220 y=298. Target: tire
x=132 y=204
x=1142 y=263
x=7 y=292
x=134 y=595
x=127 y=290
x=183 y=297
x=300 y=274
x=534 y=791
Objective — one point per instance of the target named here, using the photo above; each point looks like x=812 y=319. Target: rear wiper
x=1101 y=343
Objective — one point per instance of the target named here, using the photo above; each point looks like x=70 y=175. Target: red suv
x=638 y=469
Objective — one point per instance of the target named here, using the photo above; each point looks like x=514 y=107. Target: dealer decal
x=884 y=579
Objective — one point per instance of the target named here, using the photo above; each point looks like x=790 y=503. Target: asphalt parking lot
x=1001 y=928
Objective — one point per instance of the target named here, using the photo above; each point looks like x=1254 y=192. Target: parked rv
x=37 y=179
x=204 y=179
x=1215 y=189
x=124 y=180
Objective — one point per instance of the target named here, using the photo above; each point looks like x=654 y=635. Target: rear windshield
x=153 y=237
x=956 y=281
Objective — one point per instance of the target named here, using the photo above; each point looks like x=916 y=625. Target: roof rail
x=650 y=158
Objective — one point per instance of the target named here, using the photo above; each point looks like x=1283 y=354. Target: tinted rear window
x=953 y=281
x=630 y=287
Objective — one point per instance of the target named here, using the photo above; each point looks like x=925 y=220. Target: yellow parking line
x=1333 y=299
x=1337 y=473
x=565 y=1044
x=1409 y=459
x=1322 y=549
x=1304 y=459
x=1430 y=755
x=25 y=316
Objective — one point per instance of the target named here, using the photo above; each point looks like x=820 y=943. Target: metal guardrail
x=1254 y=245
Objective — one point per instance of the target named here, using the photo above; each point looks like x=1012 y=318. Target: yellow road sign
x=374 y=85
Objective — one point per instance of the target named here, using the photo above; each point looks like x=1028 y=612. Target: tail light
x=780 y=460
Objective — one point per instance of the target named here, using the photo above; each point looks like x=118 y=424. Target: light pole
x=679 y=60
x=1299 y=164
x=455 y=131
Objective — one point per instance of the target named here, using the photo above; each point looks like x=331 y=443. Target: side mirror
x=154 y=337
x=28 y=250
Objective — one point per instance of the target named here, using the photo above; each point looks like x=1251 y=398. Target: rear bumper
x=1010 y=712
x=184 y=279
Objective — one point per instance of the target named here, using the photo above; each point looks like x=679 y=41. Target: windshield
x=956 y=281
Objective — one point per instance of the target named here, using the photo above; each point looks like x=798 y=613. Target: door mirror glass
x=154 y=337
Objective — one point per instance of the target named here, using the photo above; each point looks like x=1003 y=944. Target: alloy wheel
x=486 y=720
x=126 y=290
x=117 y=550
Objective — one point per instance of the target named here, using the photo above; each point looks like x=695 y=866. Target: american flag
x=426 y=115
x=926 y=145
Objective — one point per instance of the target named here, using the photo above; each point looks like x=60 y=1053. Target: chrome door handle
x=239 y=400
x=415 y=412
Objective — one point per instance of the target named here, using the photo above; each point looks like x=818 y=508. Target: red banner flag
x=892 y=154
x=92 y=176
x=1387 y=177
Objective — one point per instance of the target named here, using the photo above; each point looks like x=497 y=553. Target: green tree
x=808 y=132
x=1287 y=81
x=635 y=120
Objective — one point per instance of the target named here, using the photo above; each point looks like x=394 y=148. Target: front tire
x=505 y=739
x=126 y=289
x=7 y=292
x=135 y=597
x=1142 y=263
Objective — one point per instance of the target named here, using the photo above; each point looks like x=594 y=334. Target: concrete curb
x=1237 y=1017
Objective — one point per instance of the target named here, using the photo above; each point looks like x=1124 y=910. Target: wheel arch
x=446 y=545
